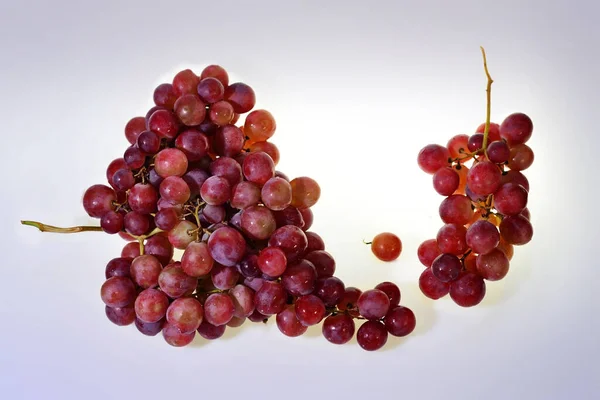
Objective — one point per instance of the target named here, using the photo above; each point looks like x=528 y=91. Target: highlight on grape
x=200 y=175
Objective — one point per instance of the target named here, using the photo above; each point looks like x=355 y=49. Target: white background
x=357 y=89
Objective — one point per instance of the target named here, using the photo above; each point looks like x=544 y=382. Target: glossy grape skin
x=521 y=157
x=349 y=299
x=400 y=321
x=130 y=250
x=373 y=304
x=164 y=123
x=217 y=72
x=174 y=282
x=112 y=222
x=185 y=82
x=276 y=194
x=193 y=143
x=170 y=162
x=506 y=248
x=123 y=180
x=493 y=266
x=269 y=148
x=145 y=270
x=516 y=128
x=227 y=246
x=215 y=191
x=224 y=278
x=372 y=335
x=299 y=278
x=305 y=192
x=323 y=262
x=475 y=142
x=515 y=177
x=308 y=217
x=484 y=178
x=175 y=337
x=185 y=314
x=260 y=125
x=118 y=266
x=149 y=328
x=258 y=222
x=456 y=209
x=391 y=290
x=228 y=141
x=175 y=190
x=270 y=299
x=468 y=289
x=219 y=309
x=98 y=200
x=241 y=97
x=148 y=142
x=143 y=198
x=291 y=239
x=120 y=316
x=510 y=199
x=451 y=239
x=427 y=251
x=310 y=310
x=288 y=323
x=227 y=168
x=258 y=168
x=386 y=246
x=431 y=286
x=243 y=299
x=159 y=247
x=165 y=96
x=272 y=261
x=516 y=230
x=433 y=157
x=244 y=195
x=133 y=128
x=190 y=109
x=151 y=305
x=166 y=219
x=482 y=237
x=457 y=146
x=248 y=267
x=213 y=214
x=314 y=242
x=211 y=90
x=289 y=216
x=446 y=267
x=118 y=291
x=221 y=113
x=330 y=290
x=445 y=181
x=209 y=331
x=338 y=329
x=113 y=167
x=182 y=234
x=498 y=152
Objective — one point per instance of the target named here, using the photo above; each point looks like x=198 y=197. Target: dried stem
x=55 y=229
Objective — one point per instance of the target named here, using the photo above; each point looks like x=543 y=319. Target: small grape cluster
x=484 y=211
x=195 y=180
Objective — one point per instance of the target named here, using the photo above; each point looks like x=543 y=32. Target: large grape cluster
x=484 y=209
x=196 y=179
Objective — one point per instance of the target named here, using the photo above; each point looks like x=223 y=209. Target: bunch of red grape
x=195 y=181
x=484 y=210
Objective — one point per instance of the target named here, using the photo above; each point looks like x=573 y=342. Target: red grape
x=386 y=246
x=400 y=321
x=433 y=157
x=372 y=335
x=516 y=128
